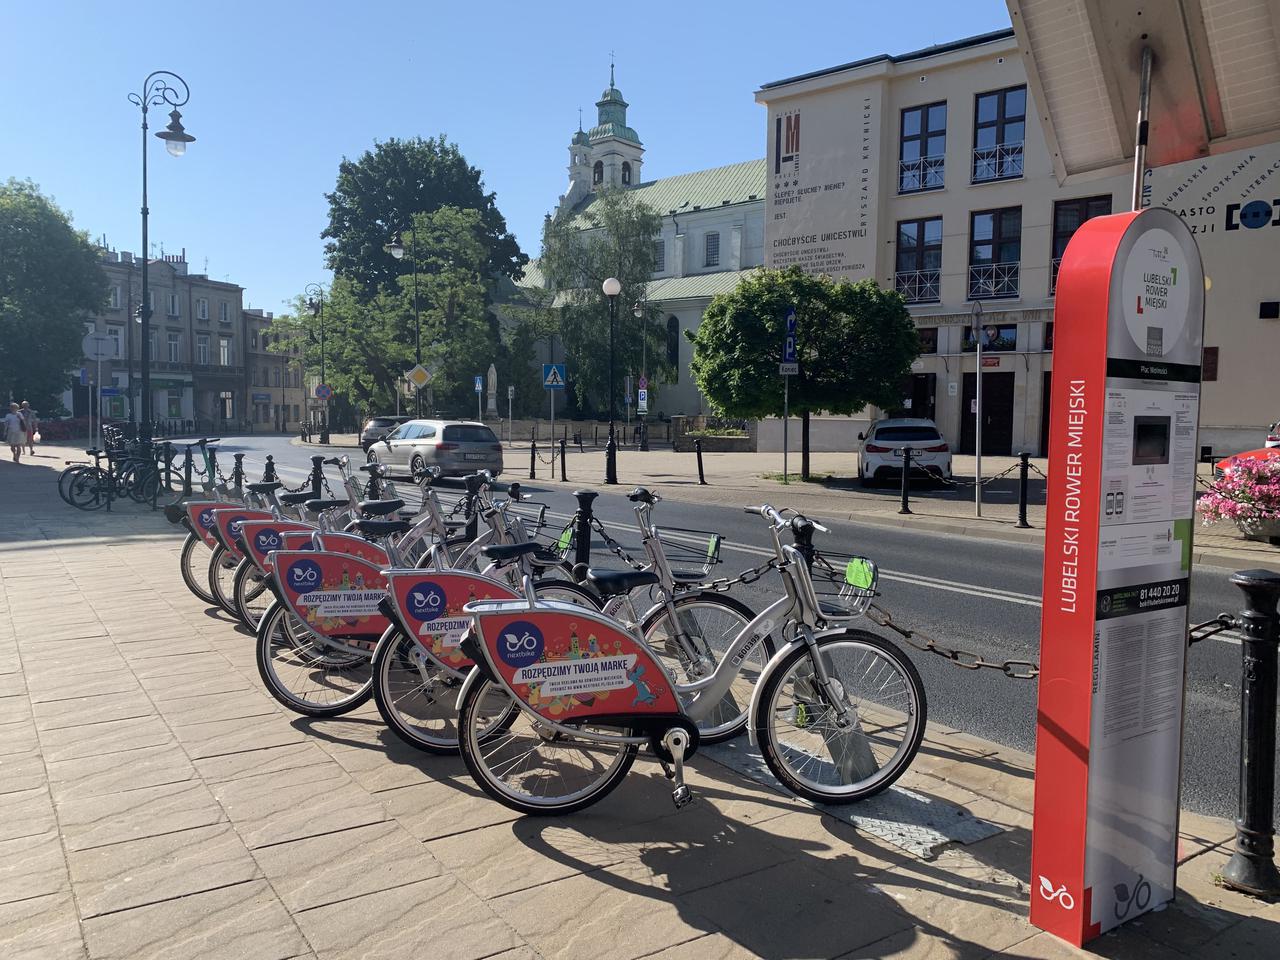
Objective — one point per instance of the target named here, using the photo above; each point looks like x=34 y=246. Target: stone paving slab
x=155 y=802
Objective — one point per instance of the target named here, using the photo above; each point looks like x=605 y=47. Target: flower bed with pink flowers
x=1248 y=494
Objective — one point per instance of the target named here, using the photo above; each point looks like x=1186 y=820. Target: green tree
x=386 y=188
x=612 y=238
x=855 y=343
x=50 y=282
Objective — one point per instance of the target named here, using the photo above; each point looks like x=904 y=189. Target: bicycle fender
x=768 y=672
x=474 y=676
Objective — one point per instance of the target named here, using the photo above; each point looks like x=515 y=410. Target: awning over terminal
x=1215 y=76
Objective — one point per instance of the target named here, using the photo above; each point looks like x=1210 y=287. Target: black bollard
x=472 y=515
x=697 y=448
x=644 y=438
x=563 y=444
x=187 y=466
x=317 y=475
x=583 y=536
x=213 y=468
x=595 y=435
x=611 y=459
x=237 y=472
x=906 y=480
x=1023 y=466
x=1252 y=868
x=533 y=459
x=168 y=466
x=268 y=471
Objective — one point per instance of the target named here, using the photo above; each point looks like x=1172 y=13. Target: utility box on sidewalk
x=1128 y=328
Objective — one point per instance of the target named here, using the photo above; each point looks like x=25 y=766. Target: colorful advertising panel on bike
x=200 y=517
x=227 y=524
x=430 y=604
x=355 y=546
x=335 y=594
x=571 y=665
x=263 y=536
x=1120 y=512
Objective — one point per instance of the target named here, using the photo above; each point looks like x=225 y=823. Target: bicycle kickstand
x=676 y=741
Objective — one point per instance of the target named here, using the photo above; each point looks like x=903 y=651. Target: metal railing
x=919 y=286
x=993 y=281
x=924 y=173
x=1000 y=162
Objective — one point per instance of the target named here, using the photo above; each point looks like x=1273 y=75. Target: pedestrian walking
x=31 y=423
x=15 y=432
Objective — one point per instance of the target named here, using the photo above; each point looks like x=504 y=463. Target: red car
x=1262 y=453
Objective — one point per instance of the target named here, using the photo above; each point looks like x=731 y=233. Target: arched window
x=626 y=174
x=597 y=172
x=673 y=348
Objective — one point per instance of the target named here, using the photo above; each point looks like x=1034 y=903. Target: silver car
x=457 y=447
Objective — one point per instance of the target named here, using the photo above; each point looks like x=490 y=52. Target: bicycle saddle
x=319 y=506
x=380 y=508
x=612 y=583
x=370 y=468
x=266 y=486
x=293 y=499
x=376 y=529
x=506 y=552
x=641 y=495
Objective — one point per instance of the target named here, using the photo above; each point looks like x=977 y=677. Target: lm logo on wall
x=786 y=141
x=304 y=576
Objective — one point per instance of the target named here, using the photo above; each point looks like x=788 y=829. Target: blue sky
x=281 y=91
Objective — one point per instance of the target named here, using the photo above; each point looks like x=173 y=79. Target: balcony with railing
x=1000 y=162
x=993 y=281
x=1054 y=265
x=923 y=173
x=919 y=286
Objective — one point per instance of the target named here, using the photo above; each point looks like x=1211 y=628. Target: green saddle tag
x=566 y=538
x=711 y=547
x=859 y=573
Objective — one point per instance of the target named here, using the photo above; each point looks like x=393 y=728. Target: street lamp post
x=611 y=287
x=157 y=90
x=315 y=303
x=396 y=249
x=977 y=411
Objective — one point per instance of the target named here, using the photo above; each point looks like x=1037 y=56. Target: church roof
x=692 y=287
x=700 y=190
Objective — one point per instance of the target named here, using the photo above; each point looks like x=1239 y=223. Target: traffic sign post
x=788 y=369
x=419 y=376
x=97 y=346
x=479 y=399
x=553 y=379
x=511 y=395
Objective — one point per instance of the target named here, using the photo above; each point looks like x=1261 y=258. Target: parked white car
x=457 y=447
x=879 y=457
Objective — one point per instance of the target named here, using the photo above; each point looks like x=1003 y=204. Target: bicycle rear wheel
x=307 y=673
x=88 y=489
x=531 y=768
x=193 y=562
x=799 y=729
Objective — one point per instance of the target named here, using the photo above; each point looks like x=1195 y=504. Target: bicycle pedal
x=682 y=796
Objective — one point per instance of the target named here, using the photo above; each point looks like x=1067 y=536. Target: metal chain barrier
x=615 y=546
x=1037 y=471
x=551 y=460
x=1219 y=624
x=971 y=483
x=725 y=584
x=328 y=490
x=1013 y=669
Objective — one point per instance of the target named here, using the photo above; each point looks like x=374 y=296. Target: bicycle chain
x=1013 y=669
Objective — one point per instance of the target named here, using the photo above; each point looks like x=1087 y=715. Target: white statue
x=491 y=408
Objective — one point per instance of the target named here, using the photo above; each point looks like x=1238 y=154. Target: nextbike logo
x=267 y=539
x=206 y=517
x=520 y=644
x=234 y=526
x=304 y=576
x=426 y=601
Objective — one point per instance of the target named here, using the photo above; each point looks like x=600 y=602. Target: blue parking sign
x=789 y=343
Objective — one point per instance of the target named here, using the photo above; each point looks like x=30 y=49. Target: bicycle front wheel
x=307 y=673
x=528 y=766
x=848 y=740
x=251 y=593
x=193 y=563
x=222 y=579
x=692 y=647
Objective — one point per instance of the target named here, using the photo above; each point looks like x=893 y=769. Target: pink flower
x=1248 y=493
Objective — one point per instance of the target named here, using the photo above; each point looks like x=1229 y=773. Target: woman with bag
x=15 y=432
x=32 y=424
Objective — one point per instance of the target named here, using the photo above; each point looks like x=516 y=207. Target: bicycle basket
x=534 y=516
x=691 y=552
x=844 y=584
x=562 y=542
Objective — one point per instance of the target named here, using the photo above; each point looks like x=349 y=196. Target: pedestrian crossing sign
x=553 y=376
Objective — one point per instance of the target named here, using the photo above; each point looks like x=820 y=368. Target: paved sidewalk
x=156 y=802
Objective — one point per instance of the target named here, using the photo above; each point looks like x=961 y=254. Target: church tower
x=616 y=153
x=579 y=170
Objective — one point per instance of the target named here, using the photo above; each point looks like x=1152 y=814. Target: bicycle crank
x=676 y=741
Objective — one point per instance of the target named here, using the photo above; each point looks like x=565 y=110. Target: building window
x=224 y=312
x=202 y=308
x=113 y=298
x=998 y=337
x=275 y=376
x=999 y=127
x=173 y=305
x=117 y=339
x=673 y=348
x=173 y=403
x=202 y=348
x=154 y=347
x=922 y=148
x=1067 y=217
x=151 y=300
x=1209 y=365
x=175 y=347
x=224 y=351
x=995 y=251
x=1048 y=337
x=227 y=402
x=928 y=339
x=659 y=256
x=253 y=341
x=266 y=341
x=919 y=268
x=626 y=174
x=597 y=173
x=711 y=247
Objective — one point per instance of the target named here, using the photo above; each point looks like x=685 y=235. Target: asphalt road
x=981 y=595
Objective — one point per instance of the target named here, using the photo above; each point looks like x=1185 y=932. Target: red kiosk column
x=1128 y=328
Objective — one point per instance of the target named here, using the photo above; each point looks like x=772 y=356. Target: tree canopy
x=379 y=195
x=855 y=344
x=616 y=241
x=50 y=283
